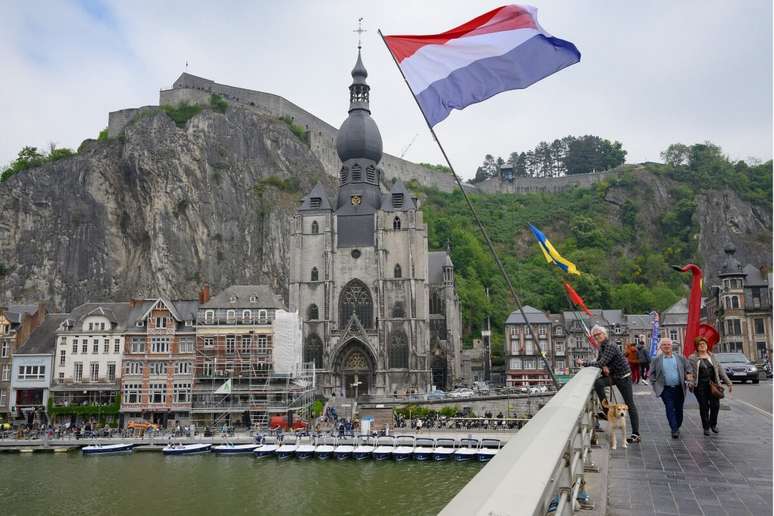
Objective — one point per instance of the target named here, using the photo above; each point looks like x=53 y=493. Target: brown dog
x=616 y=418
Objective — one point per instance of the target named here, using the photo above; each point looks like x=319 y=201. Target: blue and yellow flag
x=551 y=254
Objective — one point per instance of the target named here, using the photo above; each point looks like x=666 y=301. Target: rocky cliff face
x=157 y=211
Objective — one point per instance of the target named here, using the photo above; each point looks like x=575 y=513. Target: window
x=158 y=393
x=247 y=317
x=313 y=351
x=209 y=342
x=253 y=299
x=160 y=344
x=94 y=346
x=132 y=393
x=111 y=375
x=181 y=392
x=762 y=352
x=91 y=326
x=61 y=376
x=760 y=327
x=371 y=174
x=398 y=273
x=4 y=349
x=185 y=344
x=315 y=227
x=343 y=174
x=312 y=313
x=515 y=346
x=315 y=202
x=6 y=372
x=85 y=346
x=263 y=317
x=529 y=364
x=559 y=331
x=209 y=316
x=559 y=348
x=138 y=344
x=133 y=368
x=396 y=223
x=245 y=343
x=356 y=172
x=516 y=363
x=32 y=372
x=116 y=345
x=207 y=369
x=398 y=352
x=355 y=300
x=3 y=397
x=94 y=371
x=559 y=363
x=734 y=301
x=398 y=312
x=78 y=371
x=230 y=316
x=161 y=322
x=437 y=302
x=230 y=344
x=62 y=357
x=182 y=367
x=397 y=201
x=75 y=346
x=541 y=330
x=263 y=344
x=315 y=274
x=733 y=327
x=673 y=334
x=106 y=346
x=157 y=368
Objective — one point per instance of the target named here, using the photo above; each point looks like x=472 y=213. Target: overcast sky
x=651 y=74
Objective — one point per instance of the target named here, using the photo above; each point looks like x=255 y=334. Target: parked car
x=738 y=367
x=462 y=393
x=437 y=394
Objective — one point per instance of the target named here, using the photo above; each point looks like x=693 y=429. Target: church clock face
x=356 y=200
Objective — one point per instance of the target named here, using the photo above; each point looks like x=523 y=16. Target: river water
x=151 y=484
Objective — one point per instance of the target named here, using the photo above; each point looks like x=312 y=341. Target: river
x=149 y=483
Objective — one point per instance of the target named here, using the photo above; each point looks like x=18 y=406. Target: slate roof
x=639 y=322
x=43 y=339
x=14 y=313
x=534 y=316
x=265 y=298
x=607 y=318
x=181 y=310
x=677 y=313
x=754 y=277
x=317 y=191
x=115 y=312
x=398 y=188
x=436 y=261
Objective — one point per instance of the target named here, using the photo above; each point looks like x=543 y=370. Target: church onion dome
x=359 y=137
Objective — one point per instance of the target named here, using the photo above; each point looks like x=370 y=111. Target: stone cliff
x=157 y=210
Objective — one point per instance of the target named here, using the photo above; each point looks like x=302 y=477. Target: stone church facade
x=380 y=312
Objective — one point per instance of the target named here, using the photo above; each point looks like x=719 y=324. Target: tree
x=592 y=154
x=488 y=169
x=676 y=155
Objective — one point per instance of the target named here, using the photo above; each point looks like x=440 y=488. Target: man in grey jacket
x=670 y=375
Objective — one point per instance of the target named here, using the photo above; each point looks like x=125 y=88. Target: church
x=380 y=312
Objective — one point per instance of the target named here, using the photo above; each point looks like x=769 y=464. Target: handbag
x=717 y=391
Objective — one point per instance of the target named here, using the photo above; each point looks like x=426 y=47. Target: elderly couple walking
x=670 y=375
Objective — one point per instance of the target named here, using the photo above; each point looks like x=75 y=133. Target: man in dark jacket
x=614 y=366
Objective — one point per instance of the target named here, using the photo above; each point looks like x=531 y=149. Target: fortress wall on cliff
x=521 y=185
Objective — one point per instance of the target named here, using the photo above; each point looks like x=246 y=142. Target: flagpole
x=478 y=221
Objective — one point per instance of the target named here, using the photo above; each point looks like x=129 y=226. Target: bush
x=181 y=113
x=30 y=157
x=301 y=133
x=218 y=103
x=103 y=135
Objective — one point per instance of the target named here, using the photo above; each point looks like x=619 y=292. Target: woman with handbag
x=707 y=387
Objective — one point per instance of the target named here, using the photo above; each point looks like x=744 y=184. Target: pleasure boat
x=325 y=447
x=107 y=449
x=288 y=447
x=488 y=449
x=404 y=447
x=344 y=449
x=305 y=448
x=186 y=449
x=268 y=448
x=385 y=447
x=423 y=448
x=234 y=449
x=468 y=450
x=363 y=449
x=444 y=448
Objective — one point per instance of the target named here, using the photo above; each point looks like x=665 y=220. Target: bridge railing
x=543 y=463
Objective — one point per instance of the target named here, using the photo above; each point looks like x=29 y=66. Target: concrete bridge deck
x=729 y=473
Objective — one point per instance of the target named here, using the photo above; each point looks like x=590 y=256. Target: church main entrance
x=355 y=370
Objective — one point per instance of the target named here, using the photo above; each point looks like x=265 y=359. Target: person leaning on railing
x=614 y=366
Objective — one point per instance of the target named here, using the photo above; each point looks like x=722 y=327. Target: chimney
x=204 y=294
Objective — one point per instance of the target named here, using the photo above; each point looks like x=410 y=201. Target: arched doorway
x=355 y=368
x=438 y=368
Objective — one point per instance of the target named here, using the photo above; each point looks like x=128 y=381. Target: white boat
x=468 y=450
x=444 y=448
x=488 y=449
x=423 y=448
x=186 y=449
x=385 y=447
x=325 y=447
x=107 y=449
x=344 y=449
x=269 y=447
x=305 y=448
x=404 y=447
x=363 y=449
x=288 y=447
x=234 y=449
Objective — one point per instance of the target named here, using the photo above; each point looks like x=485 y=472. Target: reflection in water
x=149 y=483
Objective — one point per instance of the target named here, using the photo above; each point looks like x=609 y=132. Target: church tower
x=360 y=277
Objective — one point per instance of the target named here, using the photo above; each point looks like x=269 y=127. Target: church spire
x=359 y=90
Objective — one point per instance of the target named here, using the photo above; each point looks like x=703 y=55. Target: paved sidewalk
x=729 y=473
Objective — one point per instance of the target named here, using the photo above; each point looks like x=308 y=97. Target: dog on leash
x=616 y=418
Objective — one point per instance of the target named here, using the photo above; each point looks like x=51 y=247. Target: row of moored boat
x=304 y=447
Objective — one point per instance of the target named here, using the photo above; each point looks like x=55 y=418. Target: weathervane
x=360 y=30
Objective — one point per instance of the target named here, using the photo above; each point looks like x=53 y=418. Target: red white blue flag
x=504 y=49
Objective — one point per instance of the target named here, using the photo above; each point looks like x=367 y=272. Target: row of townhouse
x=168 y=362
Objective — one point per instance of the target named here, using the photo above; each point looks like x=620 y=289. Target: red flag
x=576 y=299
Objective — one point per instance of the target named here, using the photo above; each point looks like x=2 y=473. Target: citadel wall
x=521 y=185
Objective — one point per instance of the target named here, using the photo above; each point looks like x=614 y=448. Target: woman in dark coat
x=707 y=370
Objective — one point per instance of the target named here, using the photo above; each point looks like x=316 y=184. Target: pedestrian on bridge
x=670 y=376
x=708 y=371
x=616 y=371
